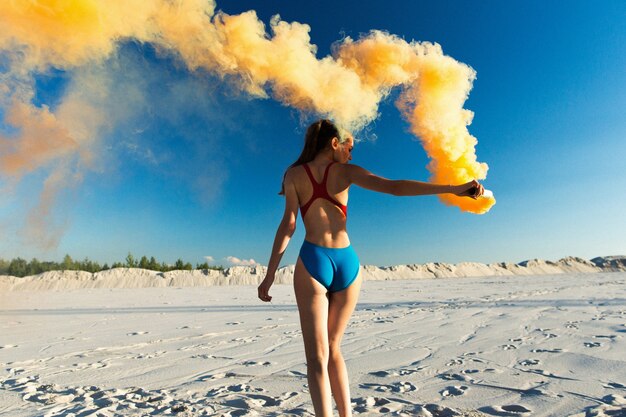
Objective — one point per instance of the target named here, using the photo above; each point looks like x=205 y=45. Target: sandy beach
x=542 y=345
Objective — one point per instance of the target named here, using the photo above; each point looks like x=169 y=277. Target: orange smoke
x=347 y=87
x=435 y=89
x=31 y=151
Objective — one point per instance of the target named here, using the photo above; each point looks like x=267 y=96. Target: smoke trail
x=71 y=35
x=435 y=89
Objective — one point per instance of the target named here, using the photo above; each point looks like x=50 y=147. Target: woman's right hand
x=264 y=288
x=472 y=189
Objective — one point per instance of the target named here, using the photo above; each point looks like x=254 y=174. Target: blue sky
x=196 y=171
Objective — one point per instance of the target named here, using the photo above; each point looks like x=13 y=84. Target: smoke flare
x=348 y=86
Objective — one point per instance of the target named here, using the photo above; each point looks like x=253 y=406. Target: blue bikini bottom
x=334 y=268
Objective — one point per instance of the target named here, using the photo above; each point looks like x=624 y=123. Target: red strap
x=320 y=191
x=326 y=176
x=310 y=174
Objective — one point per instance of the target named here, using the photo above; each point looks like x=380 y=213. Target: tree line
x=19 y=267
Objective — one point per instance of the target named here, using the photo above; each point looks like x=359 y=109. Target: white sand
x=549 y=345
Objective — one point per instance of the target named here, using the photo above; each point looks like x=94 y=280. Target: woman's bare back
x=325 y=222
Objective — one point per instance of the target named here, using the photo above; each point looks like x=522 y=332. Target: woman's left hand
x=264 y=289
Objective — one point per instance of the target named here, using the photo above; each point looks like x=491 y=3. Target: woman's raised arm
x=365 y=179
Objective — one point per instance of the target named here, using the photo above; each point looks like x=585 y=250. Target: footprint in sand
x=206 y=356
x=556 y=350
x=382 y=374
x=592 y=344
x=8 y=346
x=572 y=325
x=508 y=347
x=610 y=337
x=245 y=339
x=178 y=408
x=362 y=405
x=614 y=385
x=397 y=372
x=435 y=410
x=455 y=362
x=454 y=377
x=253 y=363
x=231 y=389
x=513 y=410
x=49 y=396
x=136 y=333
x=470 y=371
x=408 y=371
x=603 y=410
x=95 y=365
x=379 y=405
x=221 y=375
x=402 y=386
x=379 y=320
x=549 y=374
x=23 y=385
x=471 y=353
x=454 y=391
x=529 y=362
x=150 y=355
x=260 y=400
x=16 y=371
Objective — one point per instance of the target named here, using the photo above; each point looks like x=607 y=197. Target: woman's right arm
x=363 y=178
x=286 y=228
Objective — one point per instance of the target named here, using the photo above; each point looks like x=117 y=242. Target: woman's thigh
x=340 y=309
x=312 y=300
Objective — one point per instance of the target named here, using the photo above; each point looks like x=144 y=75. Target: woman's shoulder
x=293 y=172
x=350 y=170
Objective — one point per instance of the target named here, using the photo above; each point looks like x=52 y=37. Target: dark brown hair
x=317 y=138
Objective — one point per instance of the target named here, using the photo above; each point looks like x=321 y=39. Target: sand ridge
x=253 y=275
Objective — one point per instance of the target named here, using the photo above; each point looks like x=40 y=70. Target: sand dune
x=252 y=275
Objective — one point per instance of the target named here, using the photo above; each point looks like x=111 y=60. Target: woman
x=326 y=279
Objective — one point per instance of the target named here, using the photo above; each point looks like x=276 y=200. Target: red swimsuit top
x=319 y=191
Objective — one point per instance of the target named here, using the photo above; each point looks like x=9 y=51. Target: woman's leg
x=313 y=308
x=341 y=306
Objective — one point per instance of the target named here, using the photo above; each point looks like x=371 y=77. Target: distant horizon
x=226 y=265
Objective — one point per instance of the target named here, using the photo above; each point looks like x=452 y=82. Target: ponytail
x=316 y=139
